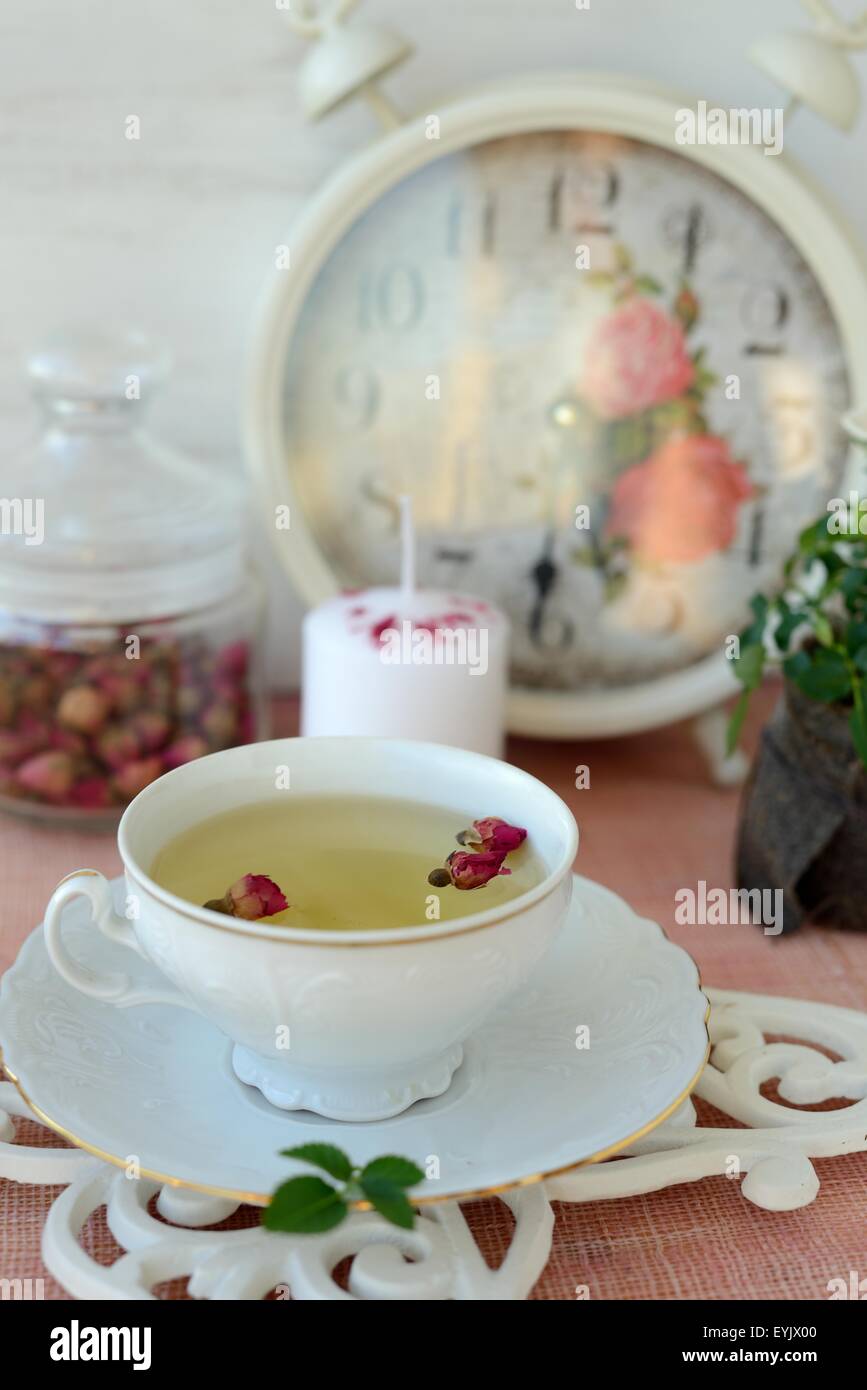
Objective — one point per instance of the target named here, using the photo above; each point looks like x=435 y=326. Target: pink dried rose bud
x=16 y=663
x=91 y=794
x=189 y=700
x=158 y=653
x=139 y=670
x=32 y=724
x=68 y=741
x=160 y=691
x=8 y=785
x=252 y=897
x=96 y=669
x=247 y=727
x=83 y=708
x=493 y=833
x=232 y=659
x=117 y=744
x=30 y=735
x=49 y=775
x=15 y=746
x=464 y=870
x=184 y=750
x=219 y=723
x=37 y=692
x=151 y=728
x=226 y=689
x=135 y=776
x=61 y=666
x=8 y=701
x=123 y=690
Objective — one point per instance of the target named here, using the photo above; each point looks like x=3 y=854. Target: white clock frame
x=576 y=101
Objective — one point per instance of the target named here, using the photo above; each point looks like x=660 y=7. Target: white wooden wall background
x=176 y=231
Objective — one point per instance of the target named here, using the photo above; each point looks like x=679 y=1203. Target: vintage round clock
x=609 y=368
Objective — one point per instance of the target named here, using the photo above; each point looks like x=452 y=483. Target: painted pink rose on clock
x=681 y=503
x=636 y=357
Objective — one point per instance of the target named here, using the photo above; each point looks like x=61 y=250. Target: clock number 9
x=356 y=391
x=392 y=298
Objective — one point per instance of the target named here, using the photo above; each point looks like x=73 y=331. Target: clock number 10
x=392 y=298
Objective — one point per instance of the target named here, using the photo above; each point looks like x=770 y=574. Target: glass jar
x=129 y=625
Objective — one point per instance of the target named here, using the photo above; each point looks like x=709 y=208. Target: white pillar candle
x=402 y=662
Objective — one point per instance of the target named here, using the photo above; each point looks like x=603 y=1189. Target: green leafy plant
x=816 y=627
x=308 y=1204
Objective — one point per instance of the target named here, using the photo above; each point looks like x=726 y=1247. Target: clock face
x=609 y=381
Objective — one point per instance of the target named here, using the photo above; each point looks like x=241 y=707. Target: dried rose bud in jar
x=130 y=627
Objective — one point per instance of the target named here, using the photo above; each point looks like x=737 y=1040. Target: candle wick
x=407 y=549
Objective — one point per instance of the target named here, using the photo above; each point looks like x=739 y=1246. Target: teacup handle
x=113 y=987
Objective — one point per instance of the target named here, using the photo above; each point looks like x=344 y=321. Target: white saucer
x=155 y=1084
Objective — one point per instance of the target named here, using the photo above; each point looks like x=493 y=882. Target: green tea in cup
x=352 y=863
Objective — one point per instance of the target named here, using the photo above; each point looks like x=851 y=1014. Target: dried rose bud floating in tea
x=488 y=842
x=252 y=897
x=348 y=863
x=466 y=870
x=128 y=625
x=493 y=833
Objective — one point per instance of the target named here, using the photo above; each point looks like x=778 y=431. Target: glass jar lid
x=99 y=521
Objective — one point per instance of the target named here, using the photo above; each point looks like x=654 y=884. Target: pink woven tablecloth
x=650 y=823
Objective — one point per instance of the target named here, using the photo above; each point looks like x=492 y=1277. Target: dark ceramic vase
x=803 y=826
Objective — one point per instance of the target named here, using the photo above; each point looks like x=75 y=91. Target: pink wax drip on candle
x=412 y=606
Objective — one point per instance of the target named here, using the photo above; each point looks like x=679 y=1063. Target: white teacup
x=374 y=1019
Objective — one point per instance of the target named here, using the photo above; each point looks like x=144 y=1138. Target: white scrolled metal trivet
x=440 y=1259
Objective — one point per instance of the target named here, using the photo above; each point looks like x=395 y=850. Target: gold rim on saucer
x=259 y=1199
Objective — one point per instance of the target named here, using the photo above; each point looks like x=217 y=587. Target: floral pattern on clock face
x=609 y=380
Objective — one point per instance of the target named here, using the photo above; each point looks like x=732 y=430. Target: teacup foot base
x=346 y=1095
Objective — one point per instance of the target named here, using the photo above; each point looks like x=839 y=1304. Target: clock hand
x=563 y=416
x=543 y=575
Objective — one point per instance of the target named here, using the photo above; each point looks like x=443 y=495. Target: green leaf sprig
x=816 y=627
x=308 y=1205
